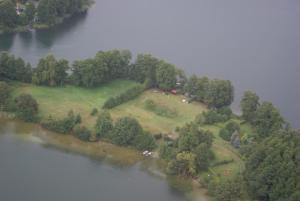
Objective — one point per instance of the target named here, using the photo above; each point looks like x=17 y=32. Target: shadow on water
x=6 y=41
x=26 y=38
x=47 y=37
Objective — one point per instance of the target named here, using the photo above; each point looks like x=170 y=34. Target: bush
x=125 y=131
x=230 y=128
x=5 y=93
x=225 y=134
x=144 y=141
x=94 y=112
x=64 y=125
x=104 y=125
x=82 y=133
x=233 y=126
x=26 y=107
x=166 y=152
x=128 y=132
x=123 y=97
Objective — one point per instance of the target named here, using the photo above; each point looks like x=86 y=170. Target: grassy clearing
x=58 y=101
x=224 y=151
x=154 y=122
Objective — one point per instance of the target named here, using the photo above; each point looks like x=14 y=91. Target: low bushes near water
x=123 y=97
x=64 y=125
x=82 y=133
x=160 y=110
x=26 y=107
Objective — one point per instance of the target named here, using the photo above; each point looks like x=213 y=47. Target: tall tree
x=249 y=105
x=220 y=93
x=144 y=69
x=268 y=120
x=166 y=76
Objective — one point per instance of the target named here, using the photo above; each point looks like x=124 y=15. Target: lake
x=32 y=170
x=255 y=44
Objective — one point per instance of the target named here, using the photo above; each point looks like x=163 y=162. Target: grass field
x=58 y=101
x=153 y=122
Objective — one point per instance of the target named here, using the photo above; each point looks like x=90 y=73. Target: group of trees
x=116 y=64
x=104 y=67
x=215 y=93
x=12 y=68
x=46 y=12
x=272 y=162
x=125 y=131
x=263 y=116
x=190 y=153
x=272 y=170
x=50 y=72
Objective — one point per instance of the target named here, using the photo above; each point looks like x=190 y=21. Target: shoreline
x=113 y=154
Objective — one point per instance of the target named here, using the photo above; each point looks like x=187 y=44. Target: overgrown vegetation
x=64 y=125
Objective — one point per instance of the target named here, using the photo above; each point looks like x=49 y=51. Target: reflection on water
x=6 y=41
x=33 y=171
x=46 y=38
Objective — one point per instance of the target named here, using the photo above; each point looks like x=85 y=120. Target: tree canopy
x=249 y=105
x=50 y=72
x=272 y=170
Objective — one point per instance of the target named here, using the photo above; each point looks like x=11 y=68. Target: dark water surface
x=254 y=43
x=31 y=171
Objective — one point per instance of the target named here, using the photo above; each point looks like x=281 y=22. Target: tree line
x=117 y=64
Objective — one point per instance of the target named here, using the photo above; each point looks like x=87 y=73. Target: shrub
x=128 y=132
x=225 y=134
x=104 y=125
x=125 y=130
x=233 y=126
x=26 y=107
x=64 y=125
x=82 y=133
x=144 y=141
x=123 y=97
x=94 y=112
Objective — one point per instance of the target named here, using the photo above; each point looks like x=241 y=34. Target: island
x=24 y=15
x=150 y=105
